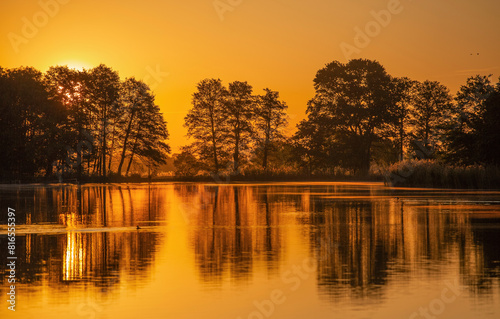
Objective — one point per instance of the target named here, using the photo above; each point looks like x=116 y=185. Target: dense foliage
x=70 y=123
x=67 y=122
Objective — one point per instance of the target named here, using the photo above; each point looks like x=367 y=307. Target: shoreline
x=242 y=181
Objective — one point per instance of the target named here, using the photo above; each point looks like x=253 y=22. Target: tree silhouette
x=205 y=121
x=472 y=136
x=489 y=136
x=239 y=110
x=404 y=94
x=49 y=117
x=353 y=101
x=271 y=119
x=30 y=124
x=432 y=103
x=231 y=123
x=103 y=85
x=150 y=138
x=358 y=115
x=135 y=100
x=65 y=85
x=314 y=146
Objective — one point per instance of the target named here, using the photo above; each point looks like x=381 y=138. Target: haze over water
x=278 y=250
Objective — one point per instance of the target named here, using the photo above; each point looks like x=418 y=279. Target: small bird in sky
x=138 y=227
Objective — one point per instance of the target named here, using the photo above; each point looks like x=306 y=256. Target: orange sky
x=278 y=44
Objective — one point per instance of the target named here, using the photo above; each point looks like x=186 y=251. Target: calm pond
x=238 y=251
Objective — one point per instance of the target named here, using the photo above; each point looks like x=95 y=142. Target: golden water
x=280 y=250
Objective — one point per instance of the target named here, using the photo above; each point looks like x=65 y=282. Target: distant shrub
x=430 y=173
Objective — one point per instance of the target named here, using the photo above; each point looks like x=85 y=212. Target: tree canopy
x=70 y=122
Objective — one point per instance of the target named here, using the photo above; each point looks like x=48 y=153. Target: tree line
x=359 y=116
x=232 y=128
x=67 y=122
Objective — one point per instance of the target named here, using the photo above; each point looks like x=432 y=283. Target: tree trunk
x=127 y=133
x=131 y=157
x=401 y=137
x=103 y=155
x=214 y=145
x=130 y=162
x=111 y=149
x=79 y=157
x=264 y=161
x=266 y=144
x=236 y=155
x=133 y=150
x=426 y=135
x=365 y=168
x=95 y=168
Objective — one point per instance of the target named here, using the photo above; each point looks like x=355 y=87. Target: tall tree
x=103 y=86
x=205 y=121
x=239 y=111
x=151 y=137
x=142 y=130
x=65 y=85
x=403 y=94
x=432 y=103
x=353 y=101
x=270 y=121
x=315 y=148
x=135 y=98
x=30 y=123
x=489 y=131
x=47 y=117
x=467 y=139
x=471 y=98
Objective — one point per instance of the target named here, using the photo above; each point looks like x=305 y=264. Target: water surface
x=282 y=250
